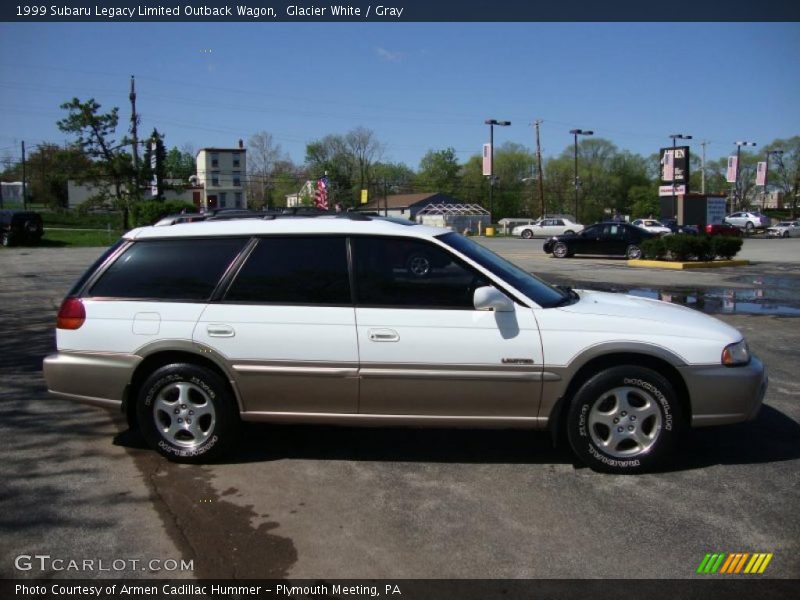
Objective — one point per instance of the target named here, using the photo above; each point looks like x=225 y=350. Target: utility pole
x=703 y=168
x=540 y=185
x=24 y=185
x=135 y=142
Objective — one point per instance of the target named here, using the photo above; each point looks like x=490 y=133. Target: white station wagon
x=192 y=328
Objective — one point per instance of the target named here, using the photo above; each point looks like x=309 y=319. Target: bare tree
x=263 y=155
x=365 y=150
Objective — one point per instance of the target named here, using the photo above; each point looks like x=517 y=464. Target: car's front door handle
x=218 y=330
x=383 y=335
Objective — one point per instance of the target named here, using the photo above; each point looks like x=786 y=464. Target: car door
x=286 y=327
x=425 y=350
x=586 y=241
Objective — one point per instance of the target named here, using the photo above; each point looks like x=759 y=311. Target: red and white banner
x=487 y=159
x=732 y=161
x=761 y=173
x=667 y=190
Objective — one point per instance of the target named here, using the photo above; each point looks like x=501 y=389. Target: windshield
x=544 y=294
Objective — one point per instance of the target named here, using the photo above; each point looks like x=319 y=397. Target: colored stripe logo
x=735 y=563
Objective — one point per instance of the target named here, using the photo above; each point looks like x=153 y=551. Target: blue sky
x=419 y=86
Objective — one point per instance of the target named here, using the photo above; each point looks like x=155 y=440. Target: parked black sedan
x=606 y=239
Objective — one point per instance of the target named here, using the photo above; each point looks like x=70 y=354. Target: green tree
x=439 y=171
x=179 y=164
x=49 y=167
x=95 y=132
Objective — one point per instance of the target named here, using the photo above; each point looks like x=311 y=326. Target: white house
x=221 y=172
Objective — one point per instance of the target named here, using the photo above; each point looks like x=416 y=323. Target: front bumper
x=100 y=379
x=721 y=395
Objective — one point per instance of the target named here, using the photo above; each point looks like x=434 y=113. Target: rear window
x=168 y=269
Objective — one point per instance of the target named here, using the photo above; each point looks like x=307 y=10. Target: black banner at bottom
x=401 y=589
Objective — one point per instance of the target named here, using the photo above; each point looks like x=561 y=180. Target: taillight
x=71 y=315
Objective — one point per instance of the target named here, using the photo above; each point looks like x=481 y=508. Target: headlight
x=736 y=354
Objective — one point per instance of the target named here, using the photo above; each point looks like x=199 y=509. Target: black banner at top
x=274 y=11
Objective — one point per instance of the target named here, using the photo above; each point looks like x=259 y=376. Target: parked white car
x=784 y=229
x=747 y=220
x=652 y=226
x=547 y=228
x=328 y=320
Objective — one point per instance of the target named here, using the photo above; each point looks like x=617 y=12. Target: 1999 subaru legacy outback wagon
x=193 y=328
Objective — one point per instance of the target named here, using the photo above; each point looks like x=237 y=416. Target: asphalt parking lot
x=323 y=502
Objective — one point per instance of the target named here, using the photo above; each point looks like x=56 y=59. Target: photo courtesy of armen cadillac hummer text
x=190 y=329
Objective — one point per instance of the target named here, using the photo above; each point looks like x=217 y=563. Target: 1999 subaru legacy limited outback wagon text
x=192 y=328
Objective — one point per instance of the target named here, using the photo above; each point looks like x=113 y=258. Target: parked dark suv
x=20 y=227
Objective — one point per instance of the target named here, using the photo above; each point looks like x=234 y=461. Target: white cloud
x=390 y=55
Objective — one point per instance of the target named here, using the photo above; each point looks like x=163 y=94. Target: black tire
x=569 y=232
x=633 y=252
x=5 y=239
x=625 y=419
x=419 y=265
x=749 y=227
x=200 y=401
x=526 y=234
x=786 y=234
x=560 y=250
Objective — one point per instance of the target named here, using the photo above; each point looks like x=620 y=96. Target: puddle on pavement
x=764 y=299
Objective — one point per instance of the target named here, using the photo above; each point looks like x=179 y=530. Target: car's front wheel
x=560 y=250
x=786 y=234
x=187 y=413
x=624 y=419
x=633 y=252
x=5 y=239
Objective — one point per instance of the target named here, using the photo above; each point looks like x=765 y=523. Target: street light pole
x=738 y=193
x=677 y=136
x=491 y=123
x=576 y=133
x=766 y=174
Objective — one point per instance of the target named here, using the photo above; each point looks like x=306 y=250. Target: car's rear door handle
x=383 y=335
x=219 y=330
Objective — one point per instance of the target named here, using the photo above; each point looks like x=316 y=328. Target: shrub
x=726 y=247
x=148 y=212
x=654 y=249
x=681 y=246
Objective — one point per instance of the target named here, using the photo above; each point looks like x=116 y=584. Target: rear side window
x=294 y=270
x=168 y=269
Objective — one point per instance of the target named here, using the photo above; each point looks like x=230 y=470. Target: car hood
x=646 y=314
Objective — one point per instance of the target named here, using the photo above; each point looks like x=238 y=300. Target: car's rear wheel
x=560 y=250
x=5 y=239
x=187 y=413
x=625 y=419
x=633 y=252
x=749 y=227
x=526 y=234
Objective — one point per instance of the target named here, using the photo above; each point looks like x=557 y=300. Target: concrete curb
x=695 y=264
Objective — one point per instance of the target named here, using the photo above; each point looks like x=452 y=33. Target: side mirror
x=489 y=298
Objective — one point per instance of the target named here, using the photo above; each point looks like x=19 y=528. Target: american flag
x=321 y=198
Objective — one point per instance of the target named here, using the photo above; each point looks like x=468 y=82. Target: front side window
x=411 y=273
x=294 y=270
x=534 y=288
x=168 y=269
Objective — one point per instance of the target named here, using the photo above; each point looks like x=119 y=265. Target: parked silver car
x=784 y=229
x=748 y=220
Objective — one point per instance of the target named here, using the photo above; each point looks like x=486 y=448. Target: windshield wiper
x=570 y=295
